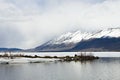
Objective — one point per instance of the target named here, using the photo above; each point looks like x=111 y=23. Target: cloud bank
x=29 y=23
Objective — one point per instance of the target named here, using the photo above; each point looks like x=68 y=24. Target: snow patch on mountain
x=111 y=32
x=75 y=37
x=67 y=38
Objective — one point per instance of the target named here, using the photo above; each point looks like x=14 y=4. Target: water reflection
x=102 y=69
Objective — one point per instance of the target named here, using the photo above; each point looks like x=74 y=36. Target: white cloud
x=33 y=22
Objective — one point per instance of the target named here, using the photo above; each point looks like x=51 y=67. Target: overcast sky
x=29 y=23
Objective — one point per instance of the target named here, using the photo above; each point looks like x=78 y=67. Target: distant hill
x=10 y=50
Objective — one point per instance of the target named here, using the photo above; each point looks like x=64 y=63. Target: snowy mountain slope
x=111 y=32
x=64 y=42
x=71 y=39
x=77 y=36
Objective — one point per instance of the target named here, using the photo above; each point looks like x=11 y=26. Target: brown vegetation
x=80 y=57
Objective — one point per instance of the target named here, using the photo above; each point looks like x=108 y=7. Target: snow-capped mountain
x=71 y=39
x=67 y=38
x=111 y=32
x=77 y=36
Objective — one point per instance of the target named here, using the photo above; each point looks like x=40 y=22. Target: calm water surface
x=102 y=69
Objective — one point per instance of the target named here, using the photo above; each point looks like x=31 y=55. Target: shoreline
x=8 y=58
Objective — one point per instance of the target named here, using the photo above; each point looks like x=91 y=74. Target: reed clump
x=81 y=57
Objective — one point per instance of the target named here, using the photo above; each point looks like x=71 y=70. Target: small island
x=80 y=57
x=21 y=58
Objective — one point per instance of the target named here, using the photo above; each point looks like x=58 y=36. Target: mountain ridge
x=70 y=40
x=78 y=41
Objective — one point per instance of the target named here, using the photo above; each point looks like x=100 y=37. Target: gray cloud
x=9 y=37
x=28 y=23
